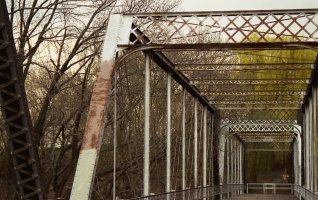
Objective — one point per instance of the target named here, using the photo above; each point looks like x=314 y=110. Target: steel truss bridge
x=232 y=103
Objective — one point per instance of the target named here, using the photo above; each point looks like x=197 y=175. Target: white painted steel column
x=307 y=147
x=212 y=150
x=303 y=150
x=232 y=160
x=228 y=150
x=115 y=137
x=196 y=142
x=298 y=132
x=168 y=172
x=227 y=143
x=241 y=165
x=147 y=127
x=221 y=154
x=314 y=98
x=299 y=158
x=295 y=150
x=117 y=32
x=238 y=163
x=204 y=149
x=235 y=162
x=183 y=139
x=310 y=160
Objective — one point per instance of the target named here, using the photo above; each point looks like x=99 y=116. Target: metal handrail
x=197 y=193
x=269 y=186
x=304 y=193
x=230 y=190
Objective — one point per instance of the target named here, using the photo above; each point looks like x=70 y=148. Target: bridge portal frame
x=131 y=32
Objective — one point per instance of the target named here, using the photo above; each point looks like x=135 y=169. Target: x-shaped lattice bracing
x=178 y=28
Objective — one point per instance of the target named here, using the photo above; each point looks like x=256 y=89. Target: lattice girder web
x=16 y=116
x=264 y=133
x=261 y=125
x=231 y=27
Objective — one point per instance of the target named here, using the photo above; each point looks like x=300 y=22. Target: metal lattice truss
x=261 y=125
x=16 y=115
x=249 y=82
x=258 y=116
x=244 y=67
x=262 y=128
x=259 y=93
x=270 y=132
x=232 y=27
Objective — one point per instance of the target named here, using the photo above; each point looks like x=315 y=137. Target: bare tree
x=58 y=44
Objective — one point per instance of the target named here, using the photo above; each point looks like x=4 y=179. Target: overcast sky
x=222 y=5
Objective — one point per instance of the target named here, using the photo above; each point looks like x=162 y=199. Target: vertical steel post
x=314 y=98
x=183 y=141
x=303 y=149
x=307 y=172
x=295 y=157
x=228 y=164
x=298 y=130
x=168 y=172
x=232 y=161
x=204 y=149
x=212 y=150
x=235 y=162
x=299 y=159
x=310 y=144
x=238 y=164
x=221 y=155
x=196 y=142
x=147 y=126
x=115 y=135
x=241 y=165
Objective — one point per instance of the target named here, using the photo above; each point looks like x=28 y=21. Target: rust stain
x=94 y=141
x=97 y=108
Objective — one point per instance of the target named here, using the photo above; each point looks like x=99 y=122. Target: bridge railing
x=265 y=187
x=304 y=193
x=198 y=193
x=230 y=190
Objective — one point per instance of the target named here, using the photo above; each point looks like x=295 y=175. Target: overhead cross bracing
x=284 y=31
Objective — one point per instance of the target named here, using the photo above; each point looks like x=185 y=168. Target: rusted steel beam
x=117 y=31
x=16 y=115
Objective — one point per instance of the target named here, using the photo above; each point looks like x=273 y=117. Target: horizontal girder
x=254 y=93
x=243 y=67
x=232 y=27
